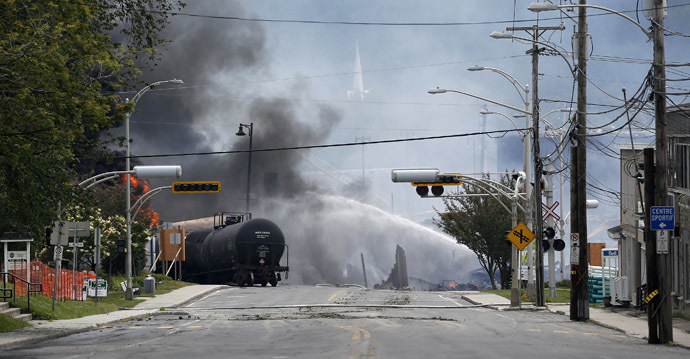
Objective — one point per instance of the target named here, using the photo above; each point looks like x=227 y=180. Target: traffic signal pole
x=550 y=222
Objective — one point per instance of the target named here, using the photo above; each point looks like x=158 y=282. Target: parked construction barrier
x=70 y=284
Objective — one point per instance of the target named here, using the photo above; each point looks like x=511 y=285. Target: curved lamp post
x=515 y=294
x=128 y=261
x=539 y=7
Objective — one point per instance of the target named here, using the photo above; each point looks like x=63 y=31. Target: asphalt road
x=330 y=322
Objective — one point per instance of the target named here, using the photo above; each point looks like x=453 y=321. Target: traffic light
x=196 y=187
x=437 y=185
x=425 y=177
x=437 y=190
x=558 y=245
x=422 y=191
x=121 y=245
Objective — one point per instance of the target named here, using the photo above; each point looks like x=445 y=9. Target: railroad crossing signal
x=521 y=236
x=196 y=187
x=550 y=211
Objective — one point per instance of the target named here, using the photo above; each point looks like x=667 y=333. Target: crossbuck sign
x=550 y=211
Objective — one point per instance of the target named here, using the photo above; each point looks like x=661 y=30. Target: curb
x=40 y=338
x=63 y=332
x=199 y=296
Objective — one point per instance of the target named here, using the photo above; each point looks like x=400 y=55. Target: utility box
x=594 y=253
x=149 y=285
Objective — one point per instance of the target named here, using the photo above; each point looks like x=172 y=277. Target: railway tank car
x=237 y=249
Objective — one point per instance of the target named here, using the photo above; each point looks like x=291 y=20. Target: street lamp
x=507 y=35
x=520 y=89
x=128 y=194
x=523 y=92
x=515 y=293
x=539 y=7
x=440 y=90
x=487 y=112
x=240 y=132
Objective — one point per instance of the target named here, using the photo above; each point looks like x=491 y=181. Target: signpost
x=520 y=236
x=663 y=220
x=574 y=249
x=607 y=253
x=662 y=242
x=97 y=290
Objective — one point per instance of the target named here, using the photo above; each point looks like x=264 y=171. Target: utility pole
x=538 y=224
x=661 y=170
x=650 y=247
x=540 y=300
x=579 y=270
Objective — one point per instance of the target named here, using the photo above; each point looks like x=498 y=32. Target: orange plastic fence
x=69 y=285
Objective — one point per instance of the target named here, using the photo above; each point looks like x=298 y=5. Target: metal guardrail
x=14 y=279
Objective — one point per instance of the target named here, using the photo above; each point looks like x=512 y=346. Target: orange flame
x=140 y=186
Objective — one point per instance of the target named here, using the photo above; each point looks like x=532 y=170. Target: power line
x=346 y=144
x=378 y=23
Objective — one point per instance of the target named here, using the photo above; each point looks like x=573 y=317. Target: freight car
x=238 y=249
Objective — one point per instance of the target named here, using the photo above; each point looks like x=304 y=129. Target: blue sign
x=613 y=252
x=662 y=218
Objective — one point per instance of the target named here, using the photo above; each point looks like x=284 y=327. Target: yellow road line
x=335 y=295
x=166 y=327
x=619 y=335
x=590 y=333
x=135 y=327
x=534 y=330
x=357 y=333
x=561 y=331
x=193 y=326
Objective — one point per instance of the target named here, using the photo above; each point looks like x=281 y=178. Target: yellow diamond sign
x=521 y=236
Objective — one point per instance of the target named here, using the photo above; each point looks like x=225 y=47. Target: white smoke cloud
x=327 y=232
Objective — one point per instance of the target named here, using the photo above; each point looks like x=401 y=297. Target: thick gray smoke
x=325 y=232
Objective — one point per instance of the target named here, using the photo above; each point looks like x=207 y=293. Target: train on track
x=238 y=249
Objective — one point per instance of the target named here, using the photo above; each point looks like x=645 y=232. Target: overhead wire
x=333 y=145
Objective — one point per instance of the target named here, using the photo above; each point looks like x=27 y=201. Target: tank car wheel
x=264 y=282
x=250 y=279
x=238 y=278
x=273 y=280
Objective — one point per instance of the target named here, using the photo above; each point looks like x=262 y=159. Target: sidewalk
x=627 y=321
x=43 y=330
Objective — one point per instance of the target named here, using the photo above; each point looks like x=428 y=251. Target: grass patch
x=8 y=323
x=42 y=306
x=562 y=295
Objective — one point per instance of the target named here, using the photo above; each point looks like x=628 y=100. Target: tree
x=58 y=63
x=480 y=223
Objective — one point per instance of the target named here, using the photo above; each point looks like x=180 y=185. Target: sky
x=290 y=79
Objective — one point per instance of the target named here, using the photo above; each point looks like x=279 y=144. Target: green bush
x=565 y=283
